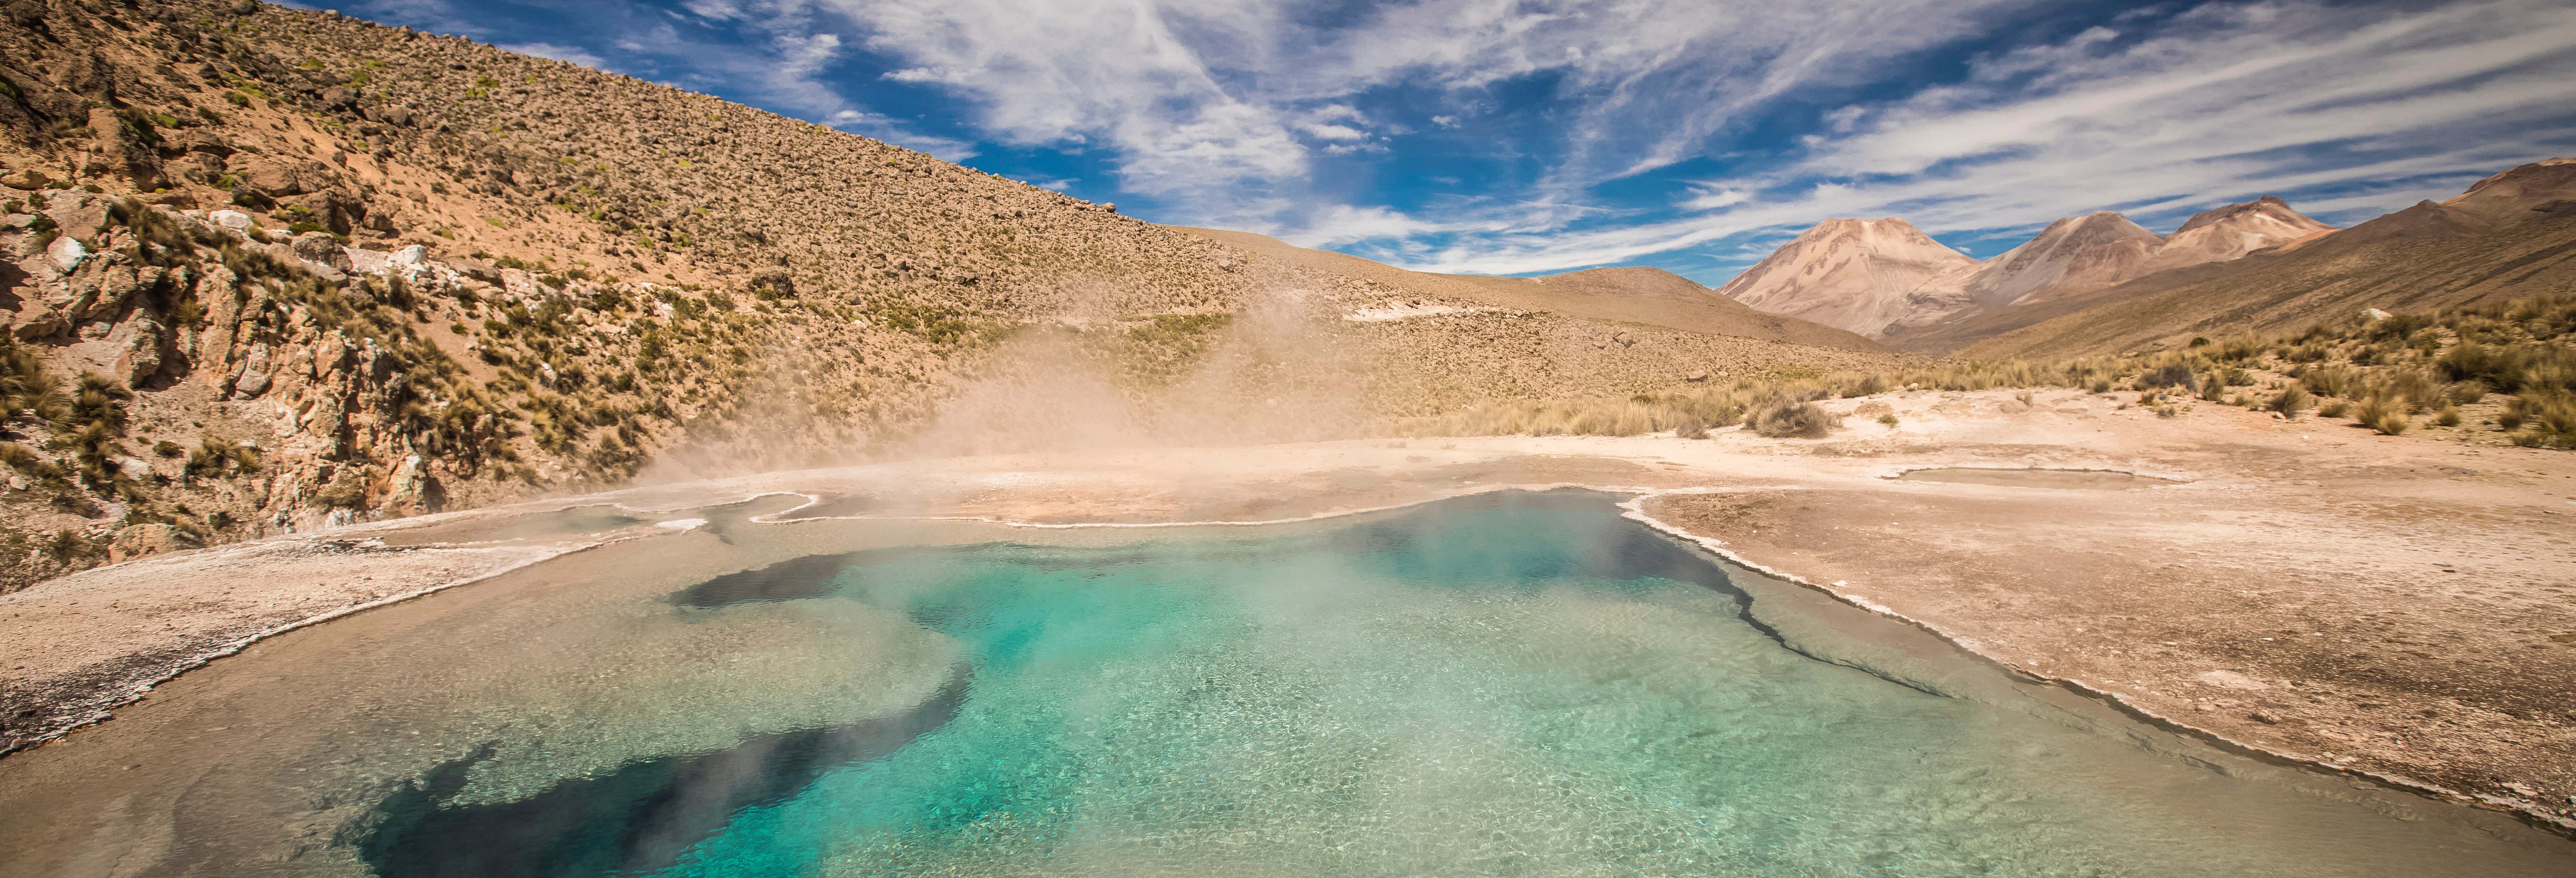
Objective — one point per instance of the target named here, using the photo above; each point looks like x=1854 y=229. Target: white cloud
x=891 y=130
x=1333 y=132
x=2231 y=102
x=567 y=54
x=1714 y=197
x=1204 y=101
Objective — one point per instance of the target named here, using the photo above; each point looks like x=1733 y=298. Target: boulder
x=320 y=247
x=142 y=358
x=67 y=252
x=78 y=215
x=231 y=219
x=250 y=386
x=476 y=269
x=278 y=177
x=203 y=141
x=362 y=261
x=144 y=540
x=27 y=180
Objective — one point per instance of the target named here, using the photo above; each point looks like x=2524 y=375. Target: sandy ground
x=2398 y=606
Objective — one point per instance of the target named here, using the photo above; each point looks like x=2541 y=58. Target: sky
x=1539 y=136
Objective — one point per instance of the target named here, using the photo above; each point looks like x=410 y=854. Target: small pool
x=2058 y=479
x=1507 y=685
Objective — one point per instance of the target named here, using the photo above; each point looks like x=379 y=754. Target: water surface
x=1502 y=686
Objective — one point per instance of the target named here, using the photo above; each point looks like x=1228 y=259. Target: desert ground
x=2396 y=606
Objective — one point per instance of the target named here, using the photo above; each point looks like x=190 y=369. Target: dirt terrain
x=2397 y=605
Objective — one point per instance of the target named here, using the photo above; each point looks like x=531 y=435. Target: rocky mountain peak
x=2224 y=233
x=1849 y=274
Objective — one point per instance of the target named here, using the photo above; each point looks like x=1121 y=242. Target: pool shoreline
x=1917 y=552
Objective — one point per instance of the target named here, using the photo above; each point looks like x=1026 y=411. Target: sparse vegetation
x=2382 y=373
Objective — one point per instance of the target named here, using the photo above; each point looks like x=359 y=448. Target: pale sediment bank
x=2390 y=607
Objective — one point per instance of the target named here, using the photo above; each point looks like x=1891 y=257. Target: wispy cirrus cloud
x=1523 y=136
x=2365 y=108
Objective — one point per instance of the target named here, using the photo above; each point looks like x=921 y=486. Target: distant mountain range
x=1884 y=277
x=2100 y=282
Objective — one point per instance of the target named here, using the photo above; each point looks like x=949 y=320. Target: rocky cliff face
x=266 y=269
x=1849 y=274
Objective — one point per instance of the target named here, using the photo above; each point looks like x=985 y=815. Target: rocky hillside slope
x=268 y=269
x=2511 y=236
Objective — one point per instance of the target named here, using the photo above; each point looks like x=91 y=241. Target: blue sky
x=1537 y=136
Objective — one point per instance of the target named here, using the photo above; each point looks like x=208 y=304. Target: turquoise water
x=1521 y=685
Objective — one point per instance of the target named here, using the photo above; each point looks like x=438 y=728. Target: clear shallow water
x=1512 y=685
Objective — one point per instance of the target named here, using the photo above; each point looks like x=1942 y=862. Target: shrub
x=2448 y=417
x=2384 y=415
x=2171 y=375
x=1785 y=420
x=2333 y=408
x=2549 y=420
x=2293 y=400
x=2211 y=388
x=1888 y=419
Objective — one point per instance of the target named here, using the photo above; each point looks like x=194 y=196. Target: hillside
x=2513 y=235
x=329 y=270
x=1633 y=294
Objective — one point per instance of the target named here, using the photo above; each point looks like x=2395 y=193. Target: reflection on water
x=1505 y=685
x=2061 y=479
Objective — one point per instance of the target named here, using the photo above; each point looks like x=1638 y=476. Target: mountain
x=1887 y=280
x=1850 y=274
x=2511 y=196
x=1633 y=294
x=2510 y=235
x=2233 y=231
x=2076 y=256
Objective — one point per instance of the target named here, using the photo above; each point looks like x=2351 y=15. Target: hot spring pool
x=1510 y=685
